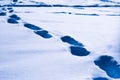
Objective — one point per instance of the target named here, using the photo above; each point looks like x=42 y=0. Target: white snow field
x=25 y=54
x=77 y=2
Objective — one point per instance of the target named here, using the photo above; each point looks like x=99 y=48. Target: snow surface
x=79 y=2
x=25 y=55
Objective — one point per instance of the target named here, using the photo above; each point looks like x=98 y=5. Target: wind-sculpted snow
x=109 y=65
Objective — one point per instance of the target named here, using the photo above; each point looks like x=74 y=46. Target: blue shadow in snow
x=14 y=16
x=62 y=12
x=71 y=41
x=43 y=33
x=10 y=9
x=100 y=78
x=76 y=13
x=31 y=26
x=109 y=65
x=15 y=0
x=2 y=13
x=12 y=21
x=87 y=14
x=79 y=51
x=78 y=7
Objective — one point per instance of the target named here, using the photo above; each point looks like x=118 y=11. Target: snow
x=80 y=2
x=2 y=2
x=25 y=55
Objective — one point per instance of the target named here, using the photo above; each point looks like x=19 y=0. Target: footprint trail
x=76 y=48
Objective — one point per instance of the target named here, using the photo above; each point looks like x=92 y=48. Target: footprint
x=71 y=41
x=15 y=0
x=43 y=33
x=100 y=78
x=31 y=26
x=2 y=13
x=109 y=65
x=3 y=8
x=10 y=9
x=12 y=21
x=14 y=16
x=79 y=51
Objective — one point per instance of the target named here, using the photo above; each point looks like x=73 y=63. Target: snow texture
x=59 y=43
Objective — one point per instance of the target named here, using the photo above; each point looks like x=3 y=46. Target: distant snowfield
x=78 y=2
x=27 y=56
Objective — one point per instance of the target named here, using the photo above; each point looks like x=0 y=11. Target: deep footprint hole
x=12 y=21
x=79 y=51
x=31 y=26
x=43 y=33
x=2 y=13
x=109 y=65
x=14 y=16
x=100 y=78
x=71 y=41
